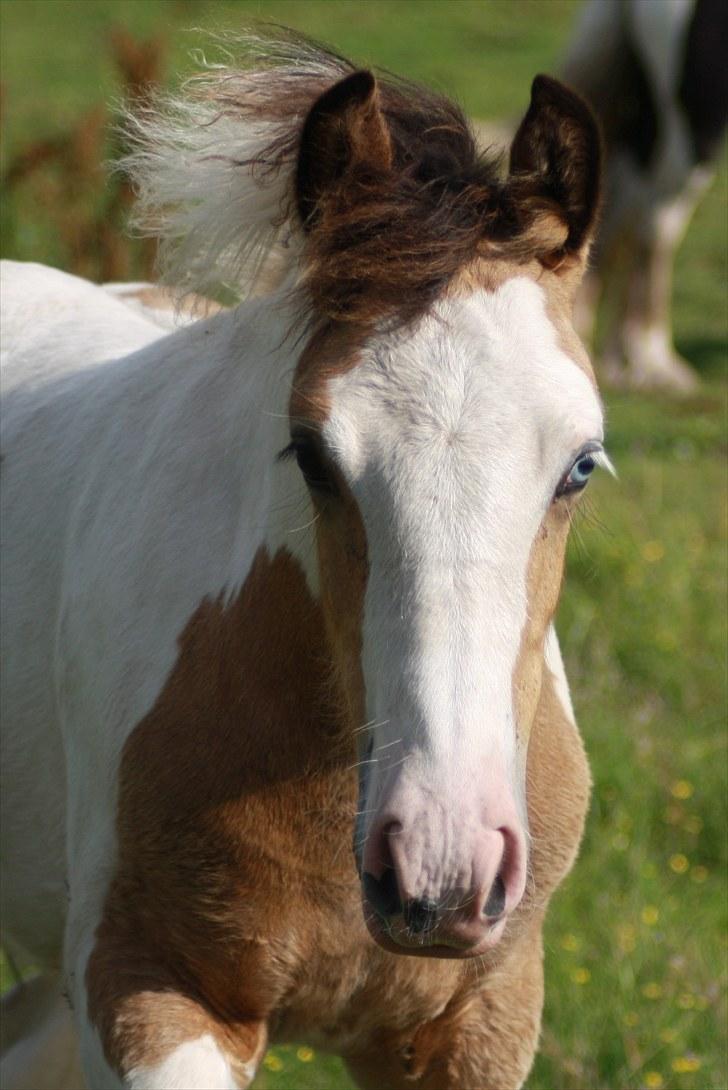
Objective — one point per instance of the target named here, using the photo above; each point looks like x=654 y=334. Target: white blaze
x=453 y=438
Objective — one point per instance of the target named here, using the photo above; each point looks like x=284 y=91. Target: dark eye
x=307 y=452
x=580 y=472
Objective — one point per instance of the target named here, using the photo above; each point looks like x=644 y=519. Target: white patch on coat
x=195 y=1065
x=555 y=663
x=453 y=439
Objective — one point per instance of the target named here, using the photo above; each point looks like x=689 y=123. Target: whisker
x=387 y=745
x=373 y=724
x=298 y=529
x=366 y=761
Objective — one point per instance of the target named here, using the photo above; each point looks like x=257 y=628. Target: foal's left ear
x=555 y=164
x=345 y=133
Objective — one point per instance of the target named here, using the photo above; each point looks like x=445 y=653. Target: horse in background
x=655 y=72
x=283 y=580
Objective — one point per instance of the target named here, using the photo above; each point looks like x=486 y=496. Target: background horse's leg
x=485 y=1039
x=647 y=331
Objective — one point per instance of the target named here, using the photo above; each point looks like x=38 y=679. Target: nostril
x=420 y=916
x=382 y=893
x=496 y=898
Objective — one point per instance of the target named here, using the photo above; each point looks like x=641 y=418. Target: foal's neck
x=238 y=367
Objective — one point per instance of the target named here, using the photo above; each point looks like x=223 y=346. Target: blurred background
x=636 y=938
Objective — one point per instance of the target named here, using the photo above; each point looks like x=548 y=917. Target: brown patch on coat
x=556 y=819
x=331 y=350
x=558 y=789
x=543 y=586
x=486 y=1035
x=239 y=775
x=343 y=572
x=340 y=536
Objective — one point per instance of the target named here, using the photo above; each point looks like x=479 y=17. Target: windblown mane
x=215 y=169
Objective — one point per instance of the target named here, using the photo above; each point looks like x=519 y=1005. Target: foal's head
x=445 y=419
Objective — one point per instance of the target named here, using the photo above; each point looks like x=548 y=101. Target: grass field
x=636 y=951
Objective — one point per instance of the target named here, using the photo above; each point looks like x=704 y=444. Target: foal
x=286 y=577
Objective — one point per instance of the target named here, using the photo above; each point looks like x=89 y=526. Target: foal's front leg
x=142 y=1028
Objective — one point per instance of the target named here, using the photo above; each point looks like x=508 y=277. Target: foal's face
x=444 y=462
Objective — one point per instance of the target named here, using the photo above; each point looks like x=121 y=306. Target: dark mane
x=387 y=241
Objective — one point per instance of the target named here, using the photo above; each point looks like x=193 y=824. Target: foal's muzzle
x=423 y=921
x=440 y=878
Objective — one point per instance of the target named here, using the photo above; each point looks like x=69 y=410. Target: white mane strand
x=213 y=166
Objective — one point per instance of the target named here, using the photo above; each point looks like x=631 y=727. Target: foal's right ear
x=345 y=130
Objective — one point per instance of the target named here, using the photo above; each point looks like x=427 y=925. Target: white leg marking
x=195 y=1065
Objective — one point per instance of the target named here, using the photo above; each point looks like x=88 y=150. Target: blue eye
x=580 y=472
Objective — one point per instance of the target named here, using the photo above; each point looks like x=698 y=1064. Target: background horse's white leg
x=647 y=330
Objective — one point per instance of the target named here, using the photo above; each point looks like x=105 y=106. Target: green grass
x=635 y=939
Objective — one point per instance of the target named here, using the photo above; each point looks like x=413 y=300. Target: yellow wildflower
x=650 y=915
x=654 y=1080
x=631 y=1018
x=653 y=990
x=273 y=1062
x=694 y=824
x=682 y=789
x=683 y=1065
x=668 y=1035
x=686 y=1001
x=570 y=942
x=653 y=551
x=679 y=863
x=580 y=975
x=305 y=1054
x=699 y=874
